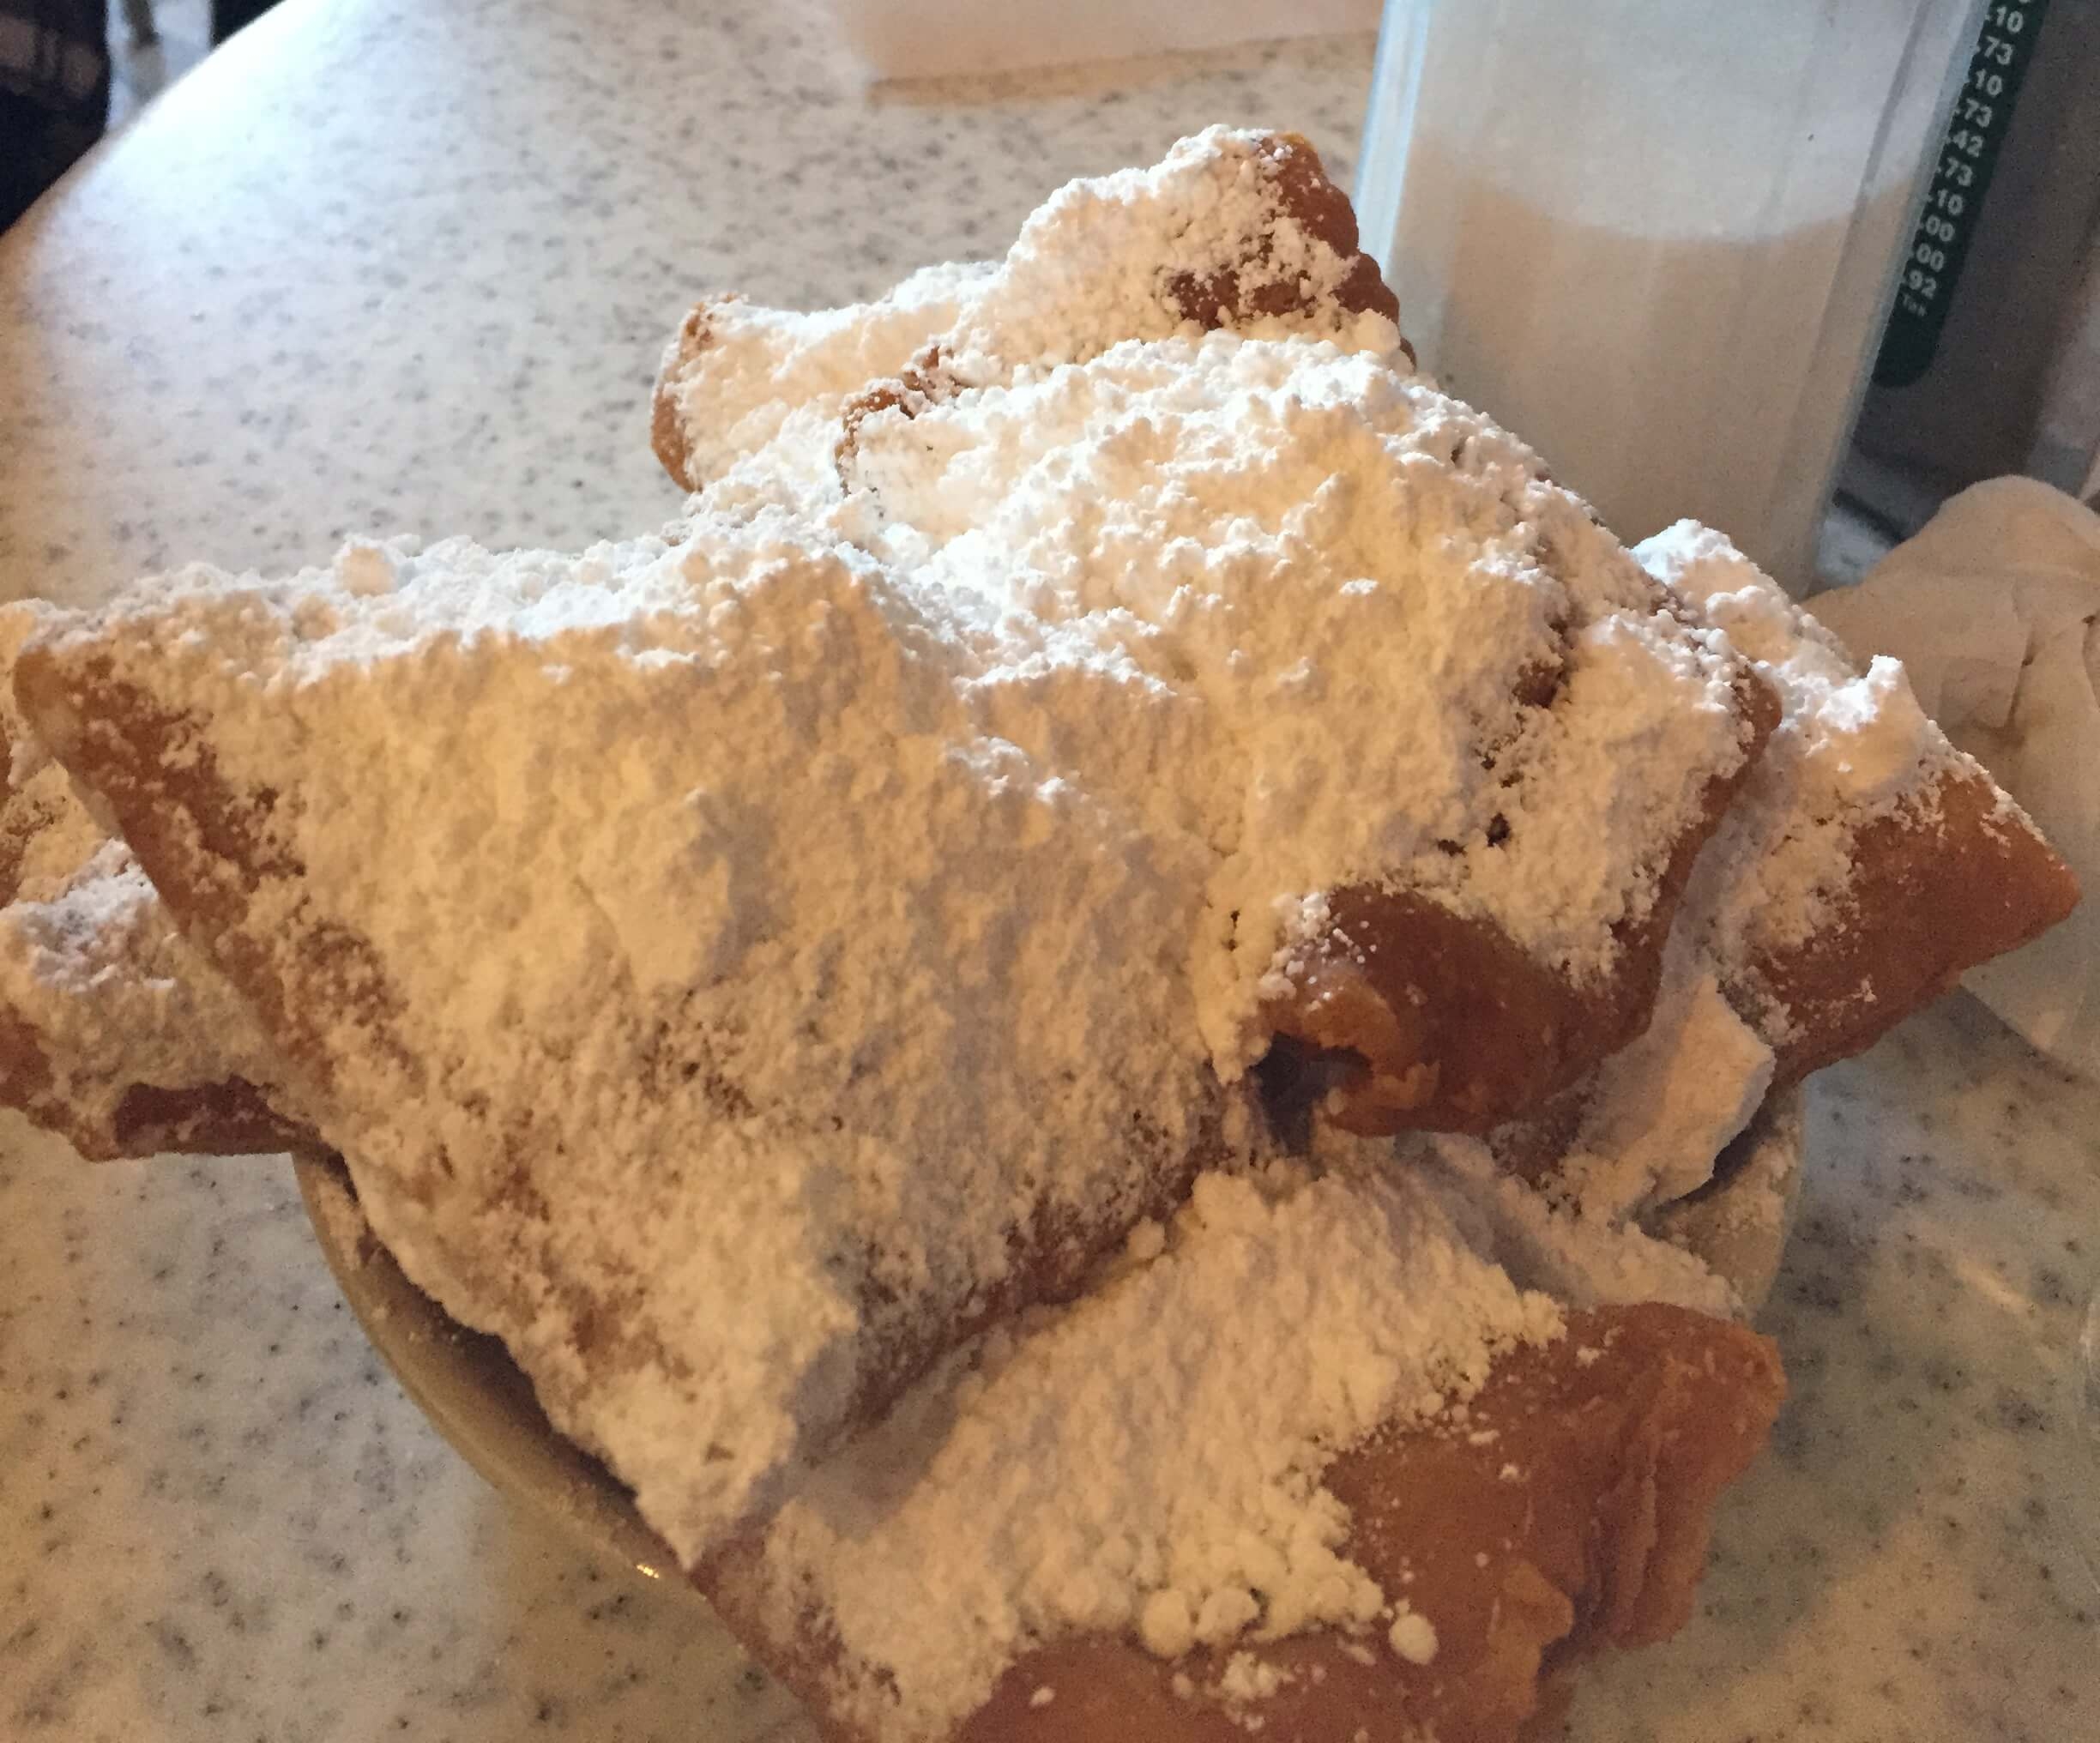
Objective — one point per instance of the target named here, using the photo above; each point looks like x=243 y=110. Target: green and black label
x=1976 y=134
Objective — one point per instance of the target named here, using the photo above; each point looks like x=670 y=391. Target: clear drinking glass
x=1658 y=238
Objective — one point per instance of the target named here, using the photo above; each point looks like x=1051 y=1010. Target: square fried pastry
x=1865 y=865
x=1869 y=863
x=1243 y=231
x=1396 y=1501
x=114 y=1033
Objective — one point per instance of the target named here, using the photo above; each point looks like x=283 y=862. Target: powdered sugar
x=95 y=969
x=983 y=773
x=1262 y=526
x=58 y=834
x=93 y=973
x=755 y=395
x=1414 y=1637
x=1106 y=1470
x=46 y=832
x=763 y=388
x=1100 y=262
x=1662 y=1109
x=1260 y=519
x=1850 y=747
x=1576 y=1254
x=1739 y=1224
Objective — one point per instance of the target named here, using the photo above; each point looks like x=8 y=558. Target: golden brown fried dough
x=1569 y=1512
x=1430 y=1021
x=727 y=350
x=113 y=1032
x=1938 y=887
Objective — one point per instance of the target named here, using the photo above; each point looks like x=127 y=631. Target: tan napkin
x=1993 y=606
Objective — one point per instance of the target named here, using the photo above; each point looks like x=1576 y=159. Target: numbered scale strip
x=1975 y=133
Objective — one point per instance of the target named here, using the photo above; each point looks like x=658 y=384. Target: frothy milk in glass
x=1657 y=239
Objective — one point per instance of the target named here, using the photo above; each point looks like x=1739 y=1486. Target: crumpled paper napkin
x=928 y=39
x=1992 y=606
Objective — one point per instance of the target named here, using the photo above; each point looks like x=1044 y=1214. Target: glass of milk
x=1658 y=238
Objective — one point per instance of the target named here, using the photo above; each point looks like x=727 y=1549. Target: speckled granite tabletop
x=391 y=266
